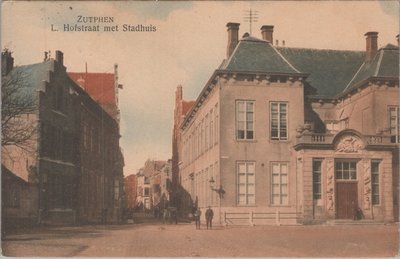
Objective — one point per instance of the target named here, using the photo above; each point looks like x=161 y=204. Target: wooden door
x=346 y=200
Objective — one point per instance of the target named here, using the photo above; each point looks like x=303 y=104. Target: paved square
x=183 y=240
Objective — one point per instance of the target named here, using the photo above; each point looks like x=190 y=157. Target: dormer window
x=394 y=124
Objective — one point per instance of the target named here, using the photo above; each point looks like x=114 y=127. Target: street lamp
x=220 y=190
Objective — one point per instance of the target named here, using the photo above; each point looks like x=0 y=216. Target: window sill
x=246 y=140
x=279 y=141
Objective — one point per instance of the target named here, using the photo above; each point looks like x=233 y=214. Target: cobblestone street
x=183 y=240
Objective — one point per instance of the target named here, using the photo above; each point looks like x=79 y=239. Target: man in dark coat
x=209 y=217
x=197 y=215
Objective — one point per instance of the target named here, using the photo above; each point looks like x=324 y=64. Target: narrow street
x=183 y=240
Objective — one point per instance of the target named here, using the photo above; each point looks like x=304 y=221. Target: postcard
x=200 y=128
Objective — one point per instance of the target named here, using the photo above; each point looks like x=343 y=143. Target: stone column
x=330 y=188
x=387 y=189
x=367 y=196
x=305 y=165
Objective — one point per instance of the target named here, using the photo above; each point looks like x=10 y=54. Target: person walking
x=165 y=216
x=197 y=215
x=209 y=217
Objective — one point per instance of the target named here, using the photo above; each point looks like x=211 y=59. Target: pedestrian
x=197 y=215
x=209 y=217
x=174 y=216
x=165 y=216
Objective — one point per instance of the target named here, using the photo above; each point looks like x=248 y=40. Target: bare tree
x=18 y=123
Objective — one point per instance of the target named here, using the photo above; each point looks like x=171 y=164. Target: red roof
x=100 y=86
x=186 y=106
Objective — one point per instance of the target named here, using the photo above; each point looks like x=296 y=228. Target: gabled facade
x=181 y=108
x=72 y=134
x=149 y=184
x=284 y=135
x=143 y=200
x=102 y=87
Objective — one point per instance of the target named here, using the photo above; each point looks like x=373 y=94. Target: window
x=146 y=191
x=317 y=179
x=216 y=121
x=375 y=182
x=116 y=189
x=206 y=133
x=11 y=195
x=202 y=136
x=394 y=124
x=198 y=140
x=246 y=183
x=192 y=185
x=346 y=170
x=245 y=119
x=279 y=183
x=211 y=128
x=279 y=121
x=217 y=180
x=332 y=126
x=209 y=177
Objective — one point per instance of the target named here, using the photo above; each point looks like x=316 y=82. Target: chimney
x=178 y=93
x=7 y=62
x=372 y=45
x=233 y=37
x=60 y=57
x=267 y=33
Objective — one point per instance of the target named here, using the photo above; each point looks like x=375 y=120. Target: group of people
x=209 y=217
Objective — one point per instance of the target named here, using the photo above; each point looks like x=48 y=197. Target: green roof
x=384 y=64
x=330 y=70
x=255 y=55
x=30 y=78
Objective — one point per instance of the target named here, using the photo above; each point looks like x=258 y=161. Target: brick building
x=130 y=191
x=102 y=87
x=181 y=108
x=284 y=135
x=101 y=188
x=73 y=133
x=149 y=184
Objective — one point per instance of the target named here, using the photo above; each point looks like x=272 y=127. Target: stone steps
x=354 y=222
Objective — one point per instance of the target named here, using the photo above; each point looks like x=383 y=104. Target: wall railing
x=277 y=217
x=320 y=138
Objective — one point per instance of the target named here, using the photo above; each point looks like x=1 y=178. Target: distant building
x=149 y=184
x=143 y=199
x=166 y=180
x=130 y=188
x=77 y=163
x=283 y=135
